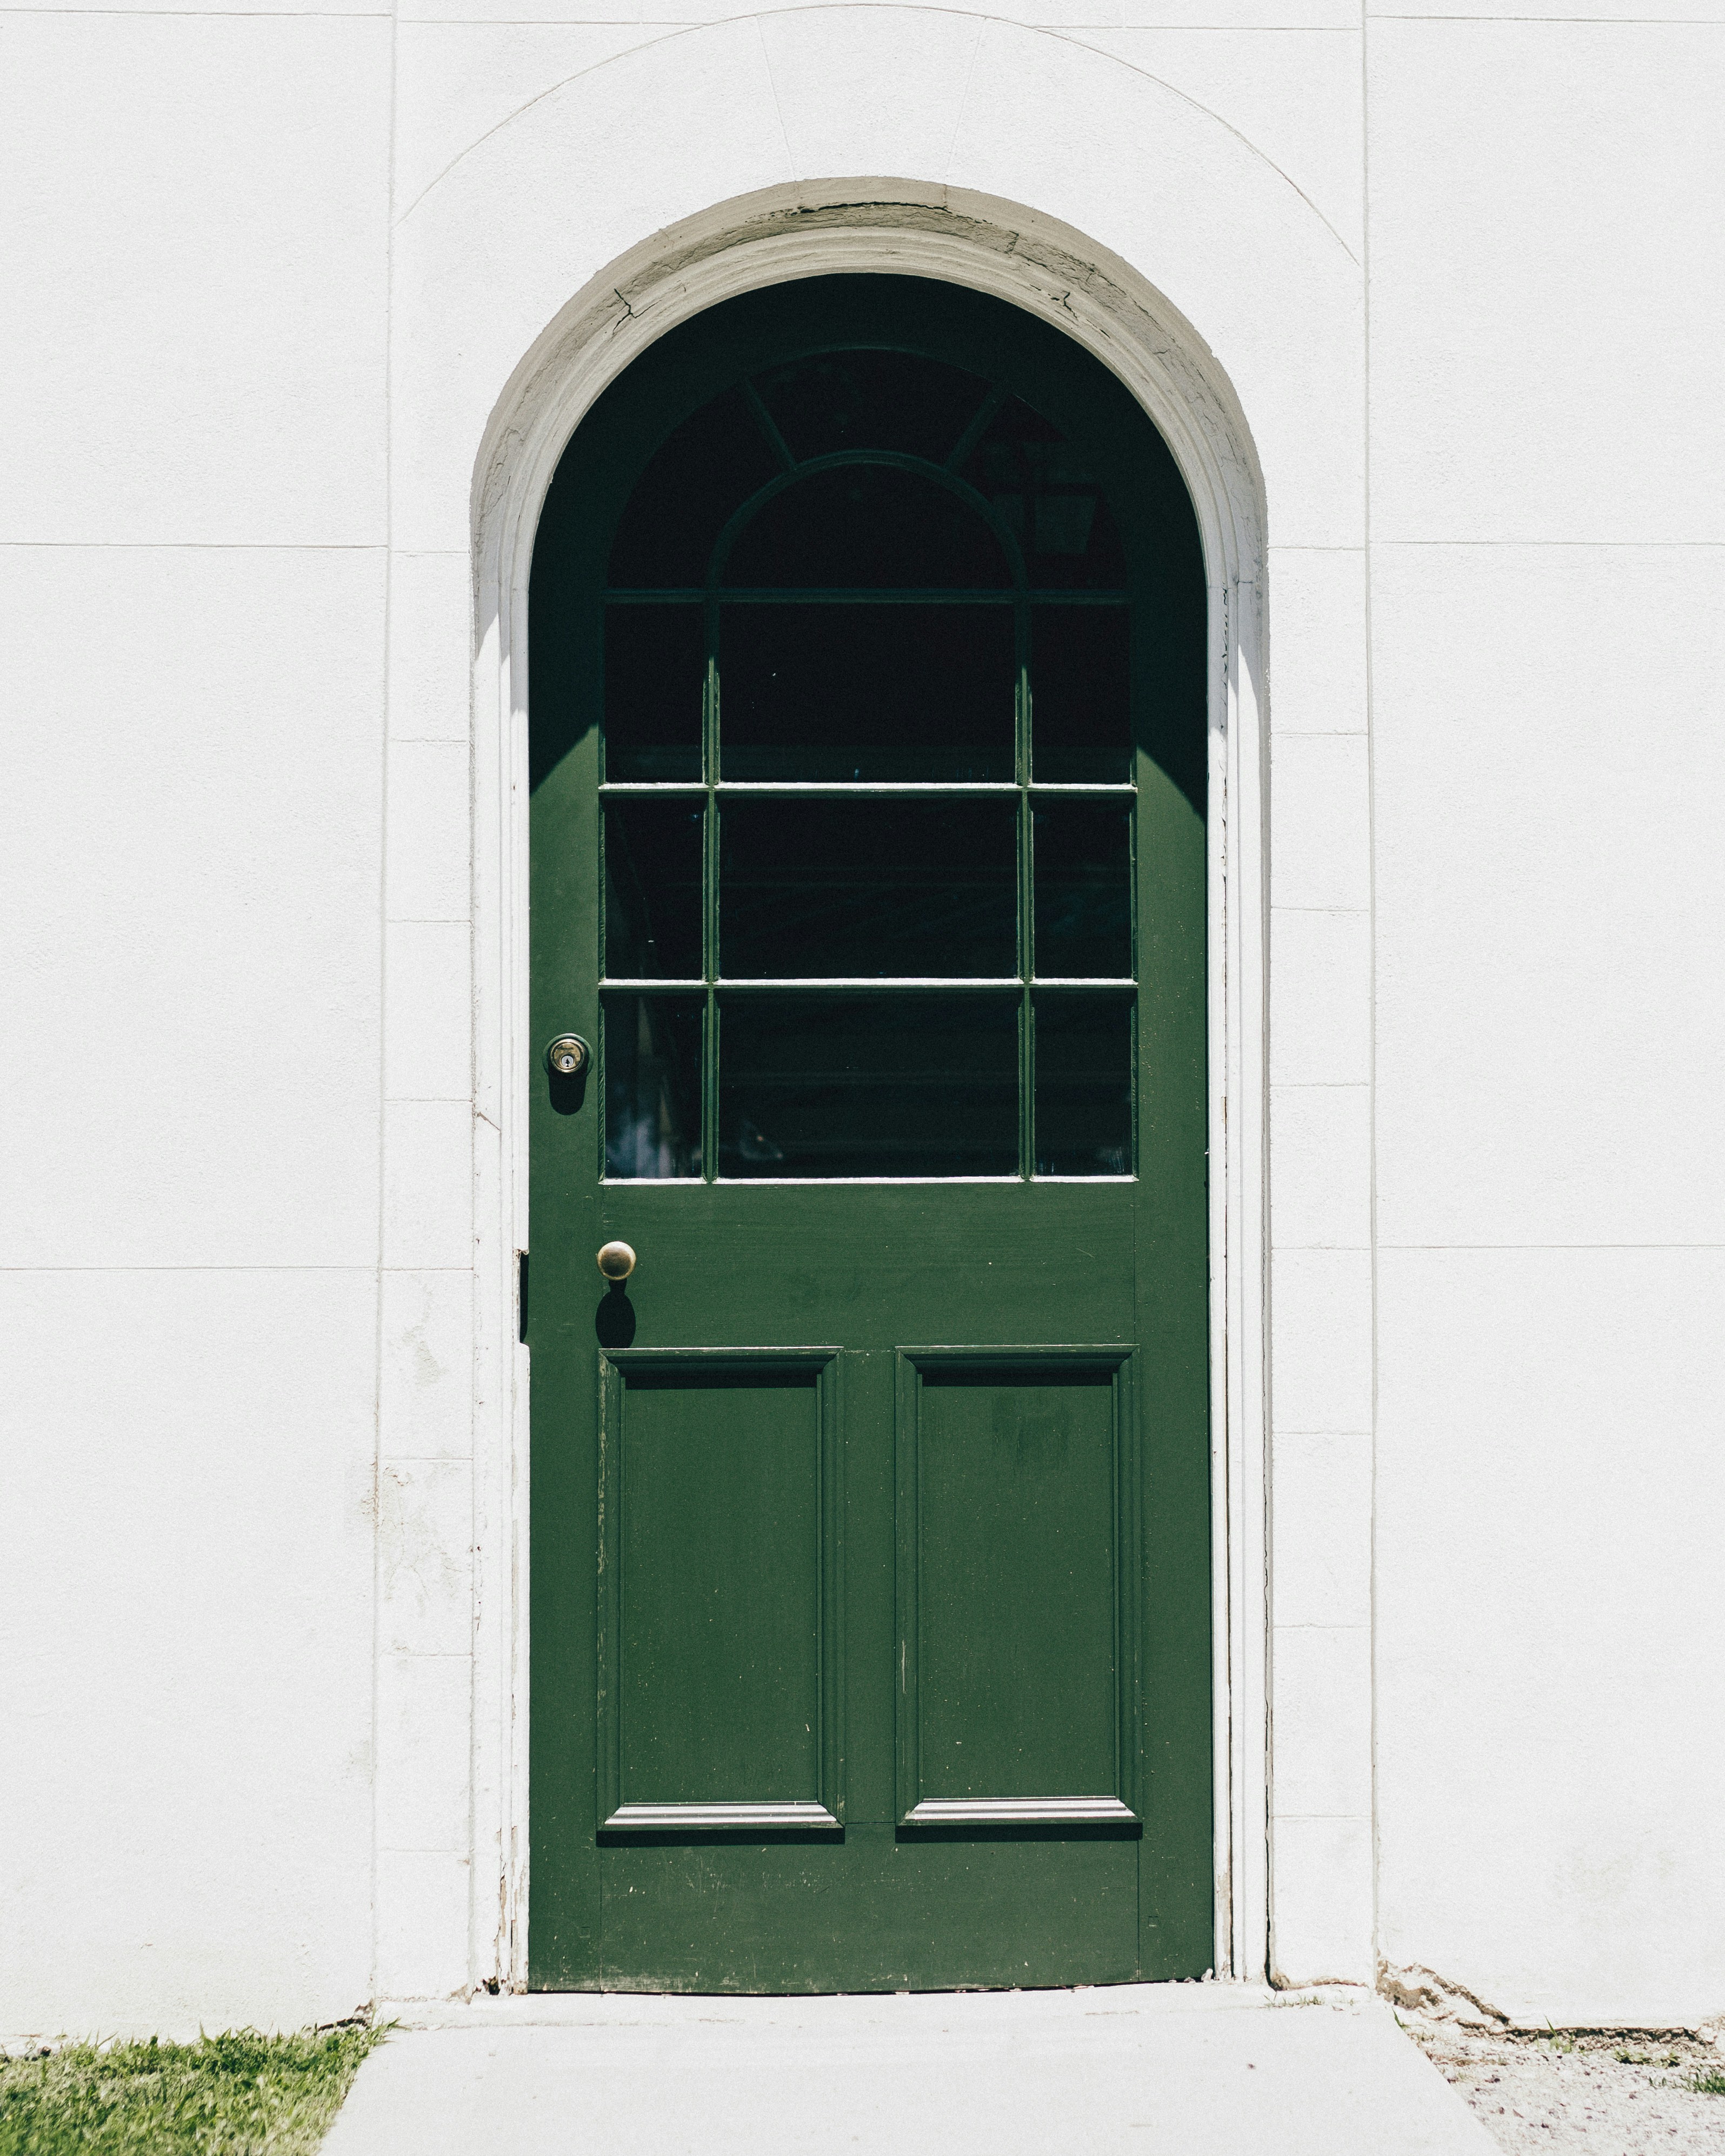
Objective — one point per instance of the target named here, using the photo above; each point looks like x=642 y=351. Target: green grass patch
x=237 y=2095
x=1708 y=2080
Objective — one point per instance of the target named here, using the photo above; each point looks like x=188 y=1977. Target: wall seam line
x=1371 y=738
x=378 y=1459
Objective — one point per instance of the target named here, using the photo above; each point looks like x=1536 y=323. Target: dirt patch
x=1582 y=2094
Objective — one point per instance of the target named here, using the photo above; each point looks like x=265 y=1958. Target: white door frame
x=1053 y=273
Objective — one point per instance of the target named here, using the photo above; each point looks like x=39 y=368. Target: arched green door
x=870 y=1601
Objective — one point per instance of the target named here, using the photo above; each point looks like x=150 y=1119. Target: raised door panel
x=719 y=1655
x=1018 y=1690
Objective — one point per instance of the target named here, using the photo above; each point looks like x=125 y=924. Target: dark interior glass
x=872 y=526
x=875 y=400
x=1084 y=1094
x=653 y=889
x=861 y=692
x=652 y=1059
x=1050 y=501
x=714 y=461
x=868 y=1085
x=825 y=691
x=655 y=666
x=1083 y=887
x=867 y=889
x=1081 y=694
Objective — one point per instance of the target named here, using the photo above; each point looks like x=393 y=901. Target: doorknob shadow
x=614 y=1320
x=567 y=1093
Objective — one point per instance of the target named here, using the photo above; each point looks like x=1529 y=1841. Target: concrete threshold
x=1143 y=2070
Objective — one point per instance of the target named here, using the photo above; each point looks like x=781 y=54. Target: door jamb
x=1056 y=273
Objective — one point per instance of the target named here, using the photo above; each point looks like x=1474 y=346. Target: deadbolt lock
x=567 y=1056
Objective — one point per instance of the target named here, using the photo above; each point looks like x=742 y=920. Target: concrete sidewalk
x=1144 y=2070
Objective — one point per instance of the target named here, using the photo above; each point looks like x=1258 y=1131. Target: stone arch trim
x=998 y=248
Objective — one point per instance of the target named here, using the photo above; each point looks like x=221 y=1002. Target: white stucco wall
x=1547 y=450
x=276 y=275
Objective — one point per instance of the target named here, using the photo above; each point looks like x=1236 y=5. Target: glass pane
x=656 y=668
x=867 y=889
x=1050 y=501
x=653 y=889
x=1084 y=1088
x=865 y=692
x=872 y=400
x=1081 y=694
x=1083 y=890
x=708 y=468
x=880 y=1085
x=652 y=1059
x=868 y=526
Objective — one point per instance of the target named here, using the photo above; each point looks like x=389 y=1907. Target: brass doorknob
x=617 y=1261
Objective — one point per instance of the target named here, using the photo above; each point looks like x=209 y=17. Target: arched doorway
x=871 y=1608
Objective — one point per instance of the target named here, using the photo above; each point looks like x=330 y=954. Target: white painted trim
x=1053 y=273
x=947 y=1811
x=720 y=1816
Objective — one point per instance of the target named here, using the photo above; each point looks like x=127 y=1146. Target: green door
x=870 y=1543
